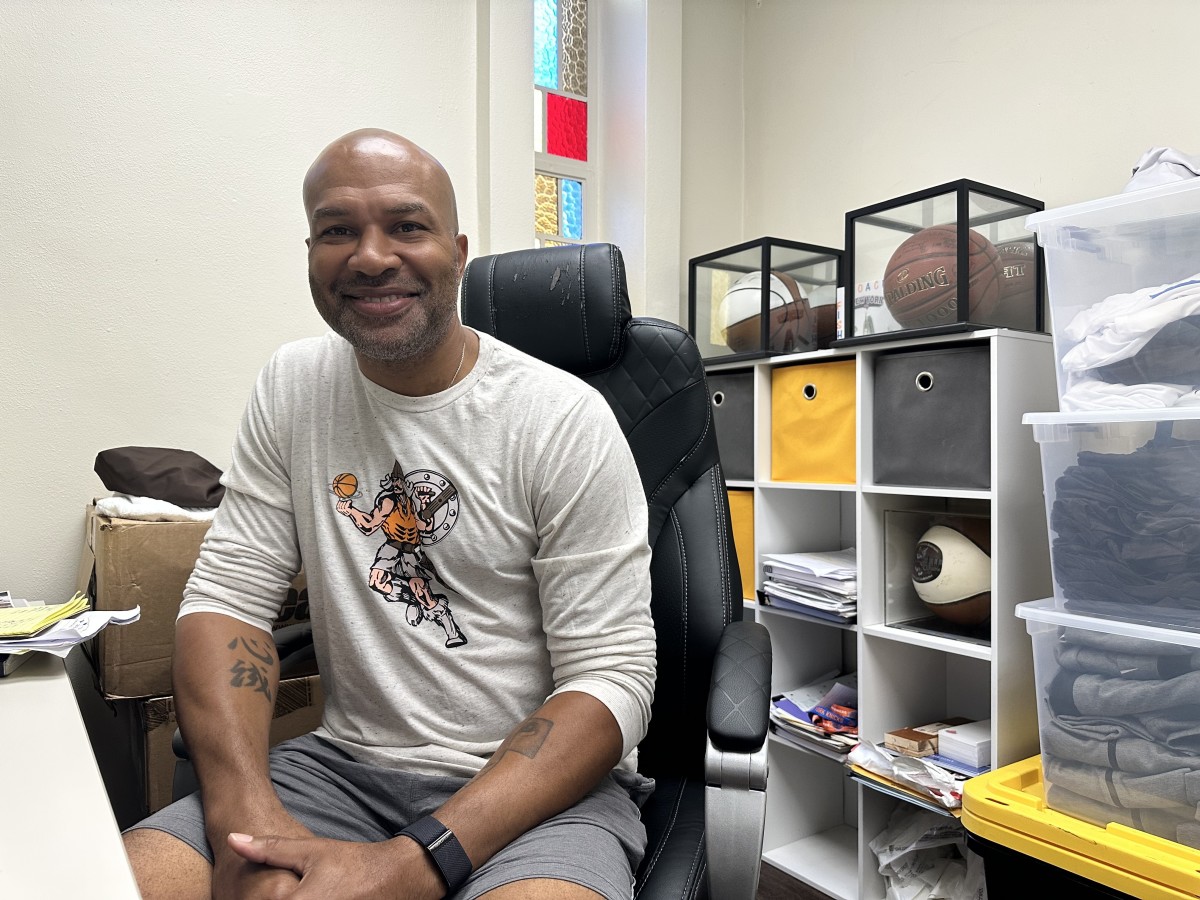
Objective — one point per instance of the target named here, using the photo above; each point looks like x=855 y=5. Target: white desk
x=58 y=837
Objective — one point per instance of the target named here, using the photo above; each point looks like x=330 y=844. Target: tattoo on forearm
x=252 y=672
x=528 y=738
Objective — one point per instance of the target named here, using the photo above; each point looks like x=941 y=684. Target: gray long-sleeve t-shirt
x=468 y=553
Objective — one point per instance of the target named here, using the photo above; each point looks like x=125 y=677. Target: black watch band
x=445 y=850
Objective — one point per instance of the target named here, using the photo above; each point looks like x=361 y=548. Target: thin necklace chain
x=462 y=357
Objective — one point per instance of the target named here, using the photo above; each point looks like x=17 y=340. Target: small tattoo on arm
x=529 y=737
x=252 y=673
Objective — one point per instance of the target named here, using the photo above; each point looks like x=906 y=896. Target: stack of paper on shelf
x=822 y=714
x=823 y=585
x=968 y=745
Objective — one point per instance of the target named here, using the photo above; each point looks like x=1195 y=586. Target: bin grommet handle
x=924 y=381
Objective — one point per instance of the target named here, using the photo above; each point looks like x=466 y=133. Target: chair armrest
x=739 y=700
x=735 y=762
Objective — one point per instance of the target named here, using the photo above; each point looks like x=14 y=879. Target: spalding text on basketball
x=935 y=278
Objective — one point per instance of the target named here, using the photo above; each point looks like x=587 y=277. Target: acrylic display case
x=763 y=297
x=904 y=257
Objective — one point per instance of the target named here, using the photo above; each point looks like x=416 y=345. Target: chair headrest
x=565 y=305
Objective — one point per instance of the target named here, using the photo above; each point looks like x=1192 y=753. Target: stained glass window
x=558 y=205
x=561 y=113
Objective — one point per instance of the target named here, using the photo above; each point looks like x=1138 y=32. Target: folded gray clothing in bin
x=1127 y=530
x=1125 y=644
x=1114 y=663
x=1162 y=790
x=1158 y=822
x=1111 y=746
x=1176 y=729
x=1100 y=695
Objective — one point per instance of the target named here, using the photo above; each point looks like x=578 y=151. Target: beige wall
x=151 y=241
x=851 y=103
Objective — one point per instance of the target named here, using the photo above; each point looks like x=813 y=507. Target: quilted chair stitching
x=723 y=543
x=639 y=320
x=696 y=885
x=696 y=866
x=616 y=302
x=683 y=562
x=491 y=294
x=690 y=453
x=666 y=835
x=707 y=425
x=583 y=319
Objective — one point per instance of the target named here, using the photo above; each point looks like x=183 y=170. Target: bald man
x=481 y=621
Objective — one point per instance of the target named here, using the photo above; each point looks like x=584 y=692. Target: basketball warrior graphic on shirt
x=411 y=512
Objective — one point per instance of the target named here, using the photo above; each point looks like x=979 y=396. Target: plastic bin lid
x=1048 y=611
x=1107 y=416
x=1175 y=198
x=1007 y=806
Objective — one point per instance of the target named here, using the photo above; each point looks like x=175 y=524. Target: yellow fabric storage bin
x=812 y=423
x=741 y=512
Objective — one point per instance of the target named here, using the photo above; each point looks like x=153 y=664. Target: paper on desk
x=24 y=621
x=60 y=637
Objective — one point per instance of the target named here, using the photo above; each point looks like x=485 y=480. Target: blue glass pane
x=545 y=43
x=572 y=209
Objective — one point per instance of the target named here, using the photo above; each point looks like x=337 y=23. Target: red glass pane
x=566 y=127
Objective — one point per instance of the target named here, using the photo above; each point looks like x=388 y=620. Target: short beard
x=436 y=317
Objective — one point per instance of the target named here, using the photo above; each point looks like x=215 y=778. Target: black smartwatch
x=443 y=847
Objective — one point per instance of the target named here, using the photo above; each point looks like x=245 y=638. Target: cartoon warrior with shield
x=411 y=512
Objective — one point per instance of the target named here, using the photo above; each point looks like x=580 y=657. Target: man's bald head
x=372 y=156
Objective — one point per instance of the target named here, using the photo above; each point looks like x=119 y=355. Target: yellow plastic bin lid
x=1007 y=806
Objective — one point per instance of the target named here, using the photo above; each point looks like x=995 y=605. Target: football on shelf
x=952 y=575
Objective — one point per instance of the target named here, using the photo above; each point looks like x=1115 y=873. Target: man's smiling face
x=384 y=256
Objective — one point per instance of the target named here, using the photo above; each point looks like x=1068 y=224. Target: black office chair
x=706 y=747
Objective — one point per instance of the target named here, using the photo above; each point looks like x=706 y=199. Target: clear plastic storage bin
x=1123 y=282
x=1117 y=720
x=1122 y=492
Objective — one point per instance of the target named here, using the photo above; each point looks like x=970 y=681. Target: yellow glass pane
x=546 y=203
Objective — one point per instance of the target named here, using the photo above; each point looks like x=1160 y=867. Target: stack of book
x=821 y=715
x=820 y=585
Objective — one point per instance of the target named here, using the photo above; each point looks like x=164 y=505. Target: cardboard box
x=129 y=562
x=131 y=738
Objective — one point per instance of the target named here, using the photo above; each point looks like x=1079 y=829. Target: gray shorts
x=597 y=843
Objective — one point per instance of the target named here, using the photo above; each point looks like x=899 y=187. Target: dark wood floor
x=774 y=884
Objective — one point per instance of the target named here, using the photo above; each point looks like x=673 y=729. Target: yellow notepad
x=22 y=621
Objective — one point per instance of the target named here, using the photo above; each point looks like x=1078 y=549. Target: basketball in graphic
x=920 y=283
x=345 y=485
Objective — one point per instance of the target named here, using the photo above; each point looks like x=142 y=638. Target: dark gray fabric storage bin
x=932 y=418
x=732 y=395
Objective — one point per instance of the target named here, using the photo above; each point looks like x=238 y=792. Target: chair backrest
x=569 y=306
